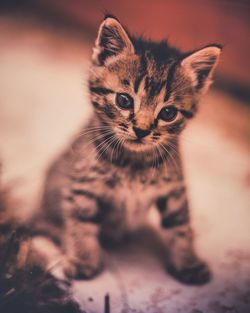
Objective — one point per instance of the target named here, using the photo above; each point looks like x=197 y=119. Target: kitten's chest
x=132 y=200
x=133 y=195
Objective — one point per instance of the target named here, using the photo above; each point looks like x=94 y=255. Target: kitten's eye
x=124 y=101
x=168 y=114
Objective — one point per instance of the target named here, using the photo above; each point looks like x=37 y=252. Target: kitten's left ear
x=111 y=41
x=200 y=64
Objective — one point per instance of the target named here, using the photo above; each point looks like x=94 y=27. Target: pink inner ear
x=200 y=64
x=204 y=58
x=112 y=39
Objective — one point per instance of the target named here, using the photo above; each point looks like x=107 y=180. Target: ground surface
x=43 y=101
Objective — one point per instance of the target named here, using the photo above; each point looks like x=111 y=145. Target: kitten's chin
x=137 y=145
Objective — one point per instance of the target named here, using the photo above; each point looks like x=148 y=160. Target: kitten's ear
x=112 y=40
x=200 y=65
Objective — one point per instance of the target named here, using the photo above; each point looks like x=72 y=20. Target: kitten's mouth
x=138 y=145
x=136 y=141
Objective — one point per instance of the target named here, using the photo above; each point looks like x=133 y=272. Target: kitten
x=127 y=158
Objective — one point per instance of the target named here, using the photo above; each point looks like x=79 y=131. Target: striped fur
x=104 y=185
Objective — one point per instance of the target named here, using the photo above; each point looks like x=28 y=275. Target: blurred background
x=187 y=24
x=45 y=48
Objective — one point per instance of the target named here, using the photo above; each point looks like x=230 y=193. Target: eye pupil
x=124 y=101
x=168 y=114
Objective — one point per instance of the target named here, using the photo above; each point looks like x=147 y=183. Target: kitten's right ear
x=111 y=41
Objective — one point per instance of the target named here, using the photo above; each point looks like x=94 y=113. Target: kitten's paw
x=83 y=268
x=75 y=269
x=196 y=274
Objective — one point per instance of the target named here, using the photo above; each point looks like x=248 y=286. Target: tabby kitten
x=127 y=158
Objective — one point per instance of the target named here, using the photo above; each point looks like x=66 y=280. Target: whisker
x=113 y=149
x=93 y=139
x=170 y=156
x=112 y=139
x=102 y=143
x=91 y=130
x=94 y=134
x=94 y=150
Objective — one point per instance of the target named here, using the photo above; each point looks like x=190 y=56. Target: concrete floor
x=43 y=102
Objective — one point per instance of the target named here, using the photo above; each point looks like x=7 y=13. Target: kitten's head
x=144 y=91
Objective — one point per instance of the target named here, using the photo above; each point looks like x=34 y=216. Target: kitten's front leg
x=181 y=259
x=82 y=247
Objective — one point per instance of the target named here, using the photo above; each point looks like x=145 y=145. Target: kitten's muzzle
x=141 y=133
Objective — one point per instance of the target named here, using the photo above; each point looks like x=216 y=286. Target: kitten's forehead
x=141 y=74
x=126 y=68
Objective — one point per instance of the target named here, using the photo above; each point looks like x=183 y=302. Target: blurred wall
x=187 y=24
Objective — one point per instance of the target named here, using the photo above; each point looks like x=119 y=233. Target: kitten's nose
x=140 y=133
